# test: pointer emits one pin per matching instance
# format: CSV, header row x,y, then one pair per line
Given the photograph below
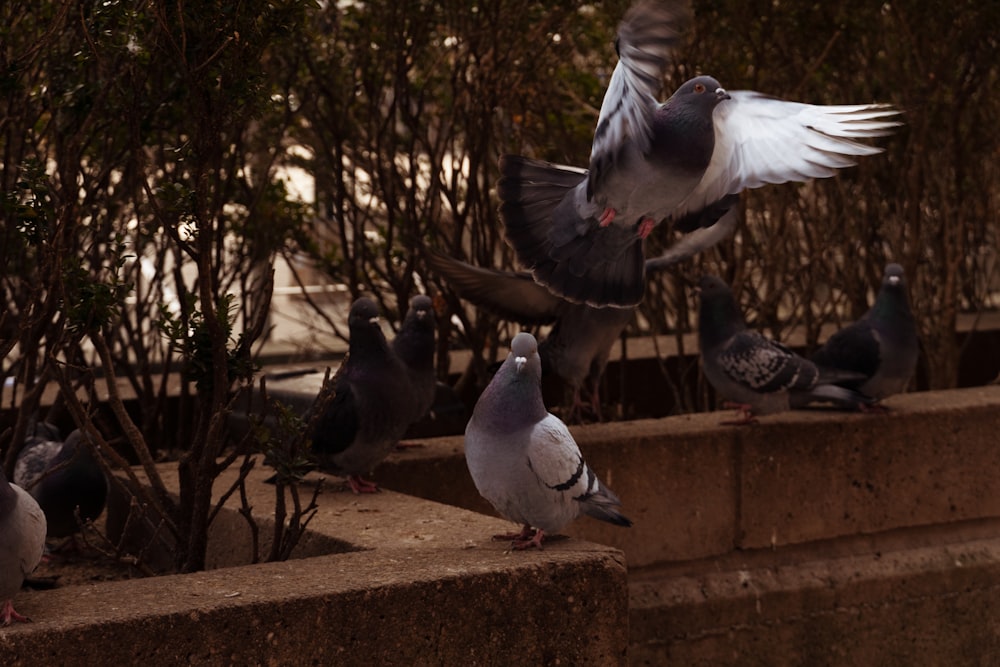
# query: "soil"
x,y
74,561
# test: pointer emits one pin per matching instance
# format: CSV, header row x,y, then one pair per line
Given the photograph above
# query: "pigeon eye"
x,y
699,88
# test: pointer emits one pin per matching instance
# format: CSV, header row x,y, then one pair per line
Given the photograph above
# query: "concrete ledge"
x,y
697,489
423,585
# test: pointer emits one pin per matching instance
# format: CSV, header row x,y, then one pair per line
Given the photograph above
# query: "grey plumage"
x,y
882,346
373,405
414,345
578,345
760,375
524,461
22,543
685,161
64,477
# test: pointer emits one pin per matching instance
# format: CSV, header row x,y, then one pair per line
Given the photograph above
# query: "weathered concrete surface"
x,y
424,585
696,489
922,597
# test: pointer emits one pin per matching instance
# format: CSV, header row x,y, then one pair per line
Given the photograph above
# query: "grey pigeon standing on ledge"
x,y
581,232
759,375
524,461
414,345
22,543
579,344
882,346
372,407
64,477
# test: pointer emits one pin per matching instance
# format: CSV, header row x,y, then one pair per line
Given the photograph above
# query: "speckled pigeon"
x,y
581,232
64,477
578,345
882,346
373,405
524,461
414,345
22,543
759,375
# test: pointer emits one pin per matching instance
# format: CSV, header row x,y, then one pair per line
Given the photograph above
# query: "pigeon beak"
x,y
373,320
721,94
519,362
893,280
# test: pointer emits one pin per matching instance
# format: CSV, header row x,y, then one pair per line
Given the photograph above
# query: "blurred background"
x,y
204,188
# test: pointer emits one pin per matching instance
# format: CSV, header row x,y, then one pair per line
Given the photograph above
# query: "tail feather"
x,y
573,257
603,505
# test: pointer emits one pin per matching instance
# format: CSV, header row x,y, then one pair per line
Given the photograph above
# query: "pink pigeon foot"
x,y
607,217
360,485
8,615
645,227
527,538
533,541
744,415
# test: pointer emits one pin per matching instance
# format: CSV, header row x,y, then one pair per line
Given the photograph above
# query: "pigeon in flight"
x,y
22,543
372,407
524,461
576,349
882,346
684,161
64,477
759,375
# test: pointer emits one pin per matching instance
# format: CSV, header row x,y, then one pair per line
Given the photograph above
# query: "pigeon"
x,y
64,477
22,543
760,375
524,461
414,345
578,345
372,405
685,161
882,346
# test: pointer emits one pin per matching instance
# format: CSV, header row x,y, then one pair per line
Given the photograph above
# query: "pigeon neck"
x,y
514,400
415,347
719,319
683,138
891,303
367,344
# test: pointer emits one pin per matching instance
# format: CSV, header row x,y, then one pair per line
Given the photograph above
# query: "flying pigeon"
x,y
579,344
882,346
414,345
684,161
372,407
524,461
64,477
760,375
22,543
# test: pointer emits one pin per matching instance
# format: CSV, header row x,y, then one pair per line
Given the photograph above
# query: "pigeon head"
x,y
366,330
719,316
894,276
421,309
524,350
703,91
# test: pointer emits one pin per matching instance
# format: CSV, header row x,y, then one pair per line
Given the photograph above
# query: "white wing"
x,y
646,36
555,458
761,140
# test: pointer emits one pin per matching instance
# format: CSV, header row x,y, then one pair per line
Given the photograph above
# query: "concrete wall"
x,y
812,538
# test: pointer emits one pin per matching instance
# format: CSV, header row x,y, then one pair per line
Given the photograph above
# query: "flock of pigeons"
x,y
580,233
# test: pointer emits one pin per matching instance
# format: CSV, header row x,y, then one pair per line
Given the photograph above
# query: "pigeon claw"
x,y
744,415
645,227
607,217
527,538
360,485
8,615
